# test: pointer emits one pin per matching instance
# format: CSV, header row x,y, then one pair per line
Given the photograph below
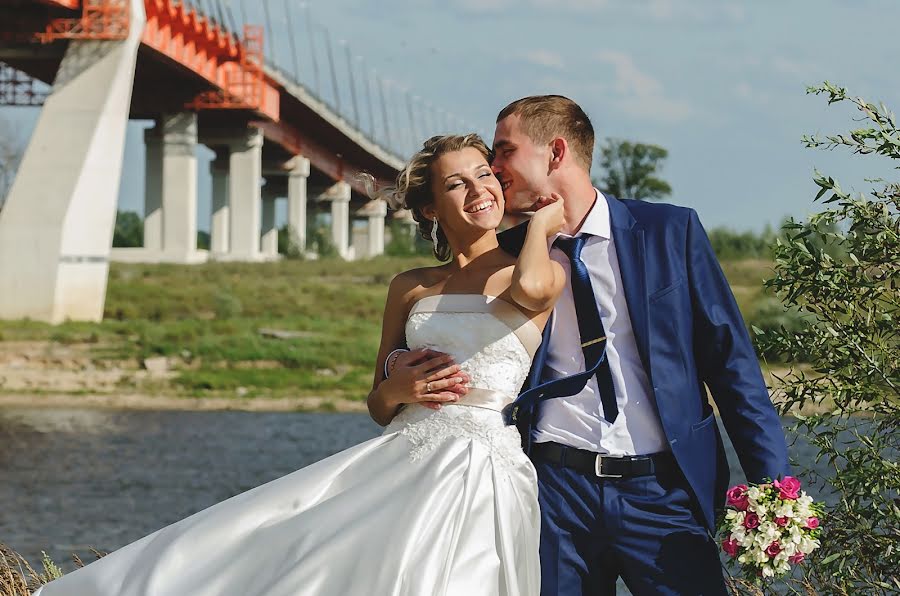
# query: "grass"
x,y
206,319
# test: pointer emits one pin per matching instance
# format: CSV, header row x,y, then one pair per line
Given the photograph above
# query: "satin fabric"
x,y
443,503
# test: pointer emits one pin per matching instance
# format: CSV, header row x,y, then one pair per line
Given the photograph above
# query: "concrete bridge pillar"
x,y
57,223
170,187
153,176
245,195
221,221
179,187
296,212
375,212
269,237
339,196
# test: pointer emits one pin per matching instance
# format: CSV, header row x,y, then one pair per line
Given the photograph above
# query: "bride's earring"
x,y
434,236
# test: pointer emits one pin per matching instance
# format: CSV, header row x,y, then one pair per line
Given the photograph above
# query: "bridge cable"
x,y
350,76
295,57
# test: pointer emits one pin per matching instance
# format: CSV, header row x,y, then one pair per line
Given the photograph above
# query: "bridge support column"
x,y
376,228
245,195
153,175
219,227
269,238
296,212
339,196
56,226
179,187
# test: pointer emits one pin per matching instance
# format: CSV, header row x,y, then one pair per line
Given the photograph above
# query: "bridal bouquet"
x,y
770,527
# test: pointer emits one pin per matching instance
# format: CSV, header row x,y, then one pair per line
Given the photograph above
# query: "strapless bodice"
x,y
493,342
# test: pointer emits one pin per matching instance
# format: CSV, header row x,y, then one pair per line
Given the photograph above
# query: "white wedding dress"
x,y
443,503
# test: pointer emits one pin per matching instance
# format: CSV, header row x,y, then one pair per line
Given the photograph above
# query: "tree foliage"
x,y
129,231
631,170
841,271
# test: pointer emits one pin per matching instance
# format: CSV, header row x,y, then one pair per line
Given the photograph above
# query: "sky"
x,y
720,84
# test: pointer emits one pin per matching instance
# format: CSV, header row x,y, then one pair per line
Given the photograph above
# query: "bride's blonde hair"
x,y
412,189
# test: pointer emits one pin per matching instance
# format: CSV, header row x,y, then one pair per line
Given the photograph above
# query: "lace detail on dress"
x,y
483,345
488,350
427,429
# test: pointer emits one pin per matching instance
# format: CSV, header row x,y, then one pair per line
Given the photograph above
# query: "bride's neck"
x,y
466,253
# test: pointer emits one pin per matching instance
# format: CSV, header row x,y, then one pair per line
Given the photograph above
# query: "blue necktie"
x,y
590,327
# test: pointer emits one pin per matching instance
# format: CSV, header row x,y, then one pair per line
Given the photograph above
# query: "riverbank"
x,y
285,336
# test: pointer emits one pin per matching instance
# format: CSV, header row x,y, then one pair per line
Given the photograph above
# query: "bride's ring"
x,y
428,387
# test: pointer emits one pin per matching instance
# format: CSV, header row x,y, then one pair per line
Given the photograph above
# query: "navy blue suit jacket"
x,y
689,332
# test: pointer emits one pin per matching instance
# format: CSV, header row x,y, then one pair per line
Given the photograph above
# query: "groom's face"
x,y
521,165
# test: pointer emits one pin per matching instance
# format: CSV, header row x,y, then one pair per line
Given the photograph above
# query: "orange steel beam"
x,y
68,4
232,67
100,20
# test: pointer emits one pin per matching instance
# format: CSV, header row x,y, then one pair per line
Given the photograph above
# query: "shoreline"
x,y
139,401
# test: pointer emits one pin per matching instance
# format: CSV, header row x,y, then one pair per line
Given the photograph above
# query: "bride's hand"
x,y
549,214
425,377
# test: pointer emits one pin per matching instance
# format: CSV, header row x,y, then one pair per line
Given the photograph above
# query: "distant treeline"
x,y
728,244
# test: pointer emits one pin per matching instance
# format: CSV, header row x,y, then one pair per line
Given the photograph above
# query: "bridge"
x,y
202,76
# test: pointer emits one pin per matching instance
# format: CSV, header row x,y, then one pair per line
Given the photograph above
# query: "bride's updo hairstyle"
x,y
412,190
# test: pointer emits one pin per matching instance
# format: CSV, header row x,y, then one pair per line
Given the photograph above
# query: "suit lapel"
x,y
628,236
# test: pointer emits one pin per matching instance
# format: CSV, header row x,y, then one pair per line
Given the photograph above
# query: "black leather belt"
x,y
603,466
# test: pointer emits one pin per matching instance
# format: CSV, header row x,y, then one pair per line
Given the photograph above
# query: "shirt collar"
x,y
597,221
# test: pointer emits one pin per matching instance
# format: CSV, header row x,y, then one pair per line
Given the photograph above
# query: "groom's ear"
x,y
559,150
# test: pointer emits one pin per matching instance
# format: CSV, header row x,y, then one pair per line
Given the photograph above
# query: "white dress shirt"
x,y
578,420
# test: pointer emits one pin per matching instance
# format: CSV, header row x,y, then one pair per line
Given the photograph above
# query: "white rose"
x,y
761,556
790,549
761,510
767,571
753,493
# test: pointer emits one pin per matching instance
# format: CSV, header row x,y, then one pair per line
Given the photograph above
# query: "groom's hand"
x,y
429,378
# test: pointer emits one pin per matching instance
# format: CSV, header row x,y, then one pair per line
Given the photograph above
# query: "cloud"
x,y
751,94
704,12
639,94
545,58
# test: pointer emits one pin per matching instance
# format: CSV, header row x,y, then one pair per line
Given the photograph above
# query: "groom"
x,y
630,463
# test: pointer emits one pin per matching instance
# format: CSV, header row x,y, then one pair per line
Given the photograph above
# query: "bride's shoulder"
x,y
408,286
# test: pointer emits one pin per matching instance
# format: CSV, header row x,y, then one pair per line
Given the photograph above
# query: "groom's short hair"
x,y
544,117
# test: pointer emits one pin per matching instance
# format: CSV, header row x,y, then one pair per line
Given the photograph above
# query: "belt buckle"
x,y
598,467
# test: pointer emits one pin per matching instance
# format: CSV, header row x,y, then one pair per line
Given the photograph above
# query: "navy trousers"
x,y
644,529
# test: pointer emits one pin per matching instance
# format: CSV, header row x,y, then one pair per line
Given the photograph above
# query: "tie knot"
x,y
571,246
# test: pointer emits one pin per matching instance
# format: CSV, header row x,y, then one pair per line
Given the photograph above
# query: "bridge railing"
x,y
305,52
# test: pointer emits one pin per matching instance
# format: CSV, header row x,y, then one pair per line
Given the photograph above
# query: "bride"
x,y
445,501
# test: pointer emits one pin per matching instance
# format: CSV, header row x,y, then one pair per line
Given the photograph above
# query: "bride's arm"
x,y
537,280
407,384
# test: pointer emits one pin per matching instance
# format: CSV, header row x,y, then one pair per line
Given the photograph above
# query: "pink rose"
x,y
751,521
773,549
812,523
737,497
797,558
788,487
781,521
730,547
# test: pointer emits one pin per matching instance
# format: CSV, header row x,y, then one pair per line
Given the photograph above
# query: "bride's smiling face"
x,y
466,193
